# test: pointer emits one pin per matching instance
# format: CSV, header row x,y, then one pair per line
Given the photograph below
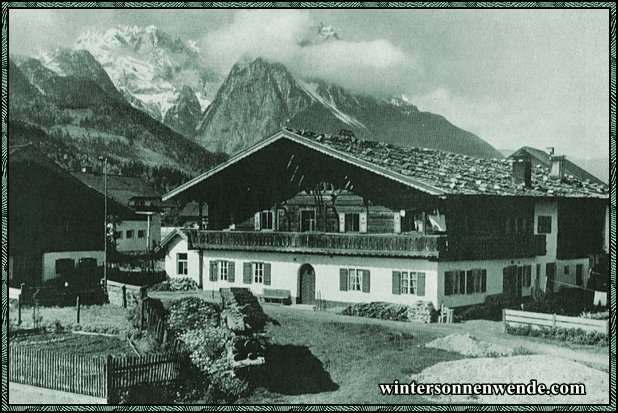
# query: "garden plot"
x,y
518,369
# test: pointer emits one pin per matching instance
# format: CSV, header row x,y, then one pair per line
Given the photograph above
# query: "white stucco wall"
x,y
135,243
176,246
49,260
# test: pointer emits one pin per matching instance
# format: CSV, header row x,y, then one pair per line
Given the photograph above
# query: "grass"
x,y
96,318
318,359
80,344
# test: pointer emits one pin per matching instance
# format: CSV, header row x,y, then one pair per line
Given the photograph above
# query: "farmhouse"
x,y
341,220
138,233
56,222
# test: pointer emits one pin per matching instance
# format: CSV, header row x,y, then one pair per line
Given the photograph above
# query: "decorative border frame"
x,y
94,5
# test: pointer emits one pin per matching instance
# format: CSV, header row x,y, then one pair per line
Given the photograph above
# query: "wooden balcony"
x,y
386,245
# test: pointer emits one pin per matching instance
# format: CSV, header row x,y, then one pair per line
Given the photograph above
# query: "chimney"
x,y
522,171
557,166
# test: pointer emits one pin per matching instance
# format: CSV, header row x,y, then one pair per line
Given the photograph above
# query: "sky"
x,y
513,77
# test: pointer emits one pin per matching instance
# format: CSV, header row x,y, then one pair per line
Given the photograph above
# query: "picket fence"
x,y
89,375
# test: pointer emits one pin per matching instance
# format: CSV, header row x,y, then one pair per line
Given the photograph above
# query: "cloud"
x,y
33,30
291,37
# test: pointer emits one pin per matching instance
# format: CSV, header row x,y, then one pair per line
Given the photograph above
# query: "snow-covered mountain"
x,y
150,67
259,97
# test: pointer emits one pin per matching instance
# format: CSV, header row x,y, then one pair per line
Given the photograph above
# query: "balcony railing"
x,y
395,245
387,245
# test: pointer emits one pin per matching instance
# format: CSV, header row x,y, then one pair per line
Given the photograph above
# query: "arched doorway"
x,y
307,284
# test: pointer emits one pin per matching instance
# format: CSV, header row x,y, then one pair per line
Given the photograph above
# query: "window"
x,y
567,271
65,266
118,234
352,222
223,269
307,221
476,281
355,280
454,282
130,233
408,282
258,272
182,263
141,233
544,225
266,220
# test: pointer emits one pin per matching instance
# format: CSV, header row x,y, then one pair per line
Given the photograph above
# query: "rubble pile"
x,y
455,173
244,317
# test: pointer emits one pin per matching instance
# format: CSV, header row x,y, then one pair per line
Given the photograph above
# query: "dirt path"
x,y
490,331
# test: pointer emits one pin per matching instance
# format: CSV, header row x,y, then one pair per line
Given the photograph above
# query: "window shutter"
x,y
448,283
470,282
343,279
256,221
396,282
246,273
462,282
213,271
397,222
266,273
366,281
231,272
362,222
341,222
484,281
420,284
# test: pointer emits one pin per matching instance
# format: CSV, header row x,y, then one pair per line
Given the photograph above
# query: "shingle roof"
x,y
454,173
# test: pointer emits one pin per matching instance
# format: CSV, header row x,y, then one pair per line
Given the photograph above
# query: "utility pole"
x,y
104,159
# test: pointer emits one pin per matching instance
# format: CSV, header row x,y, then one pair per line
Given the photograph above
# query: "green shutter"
x,y
231,272
462,282
266,274
448,283
420,284
213,271
343,279
484,281
396,282
246,273
366,281
470,282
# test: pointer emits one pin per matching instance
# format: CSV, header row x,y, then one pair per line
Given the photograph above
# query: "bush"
x,y
192,313
577,336
183,284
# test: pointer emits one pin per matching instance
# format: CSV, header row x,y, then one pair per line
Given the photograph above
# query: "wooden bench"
x,y
276,296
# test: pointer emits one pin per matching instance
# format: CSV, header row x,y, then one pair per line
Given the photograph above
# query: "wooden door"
x,y
307,285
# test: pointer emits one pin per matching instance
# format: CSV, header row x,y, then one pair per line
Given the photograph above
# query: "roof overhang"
x,y
313,145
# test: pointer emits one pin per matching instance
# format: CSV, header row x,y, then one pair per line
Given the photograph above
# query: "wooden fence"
x,y
93,376
516,318
58,371
154,323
